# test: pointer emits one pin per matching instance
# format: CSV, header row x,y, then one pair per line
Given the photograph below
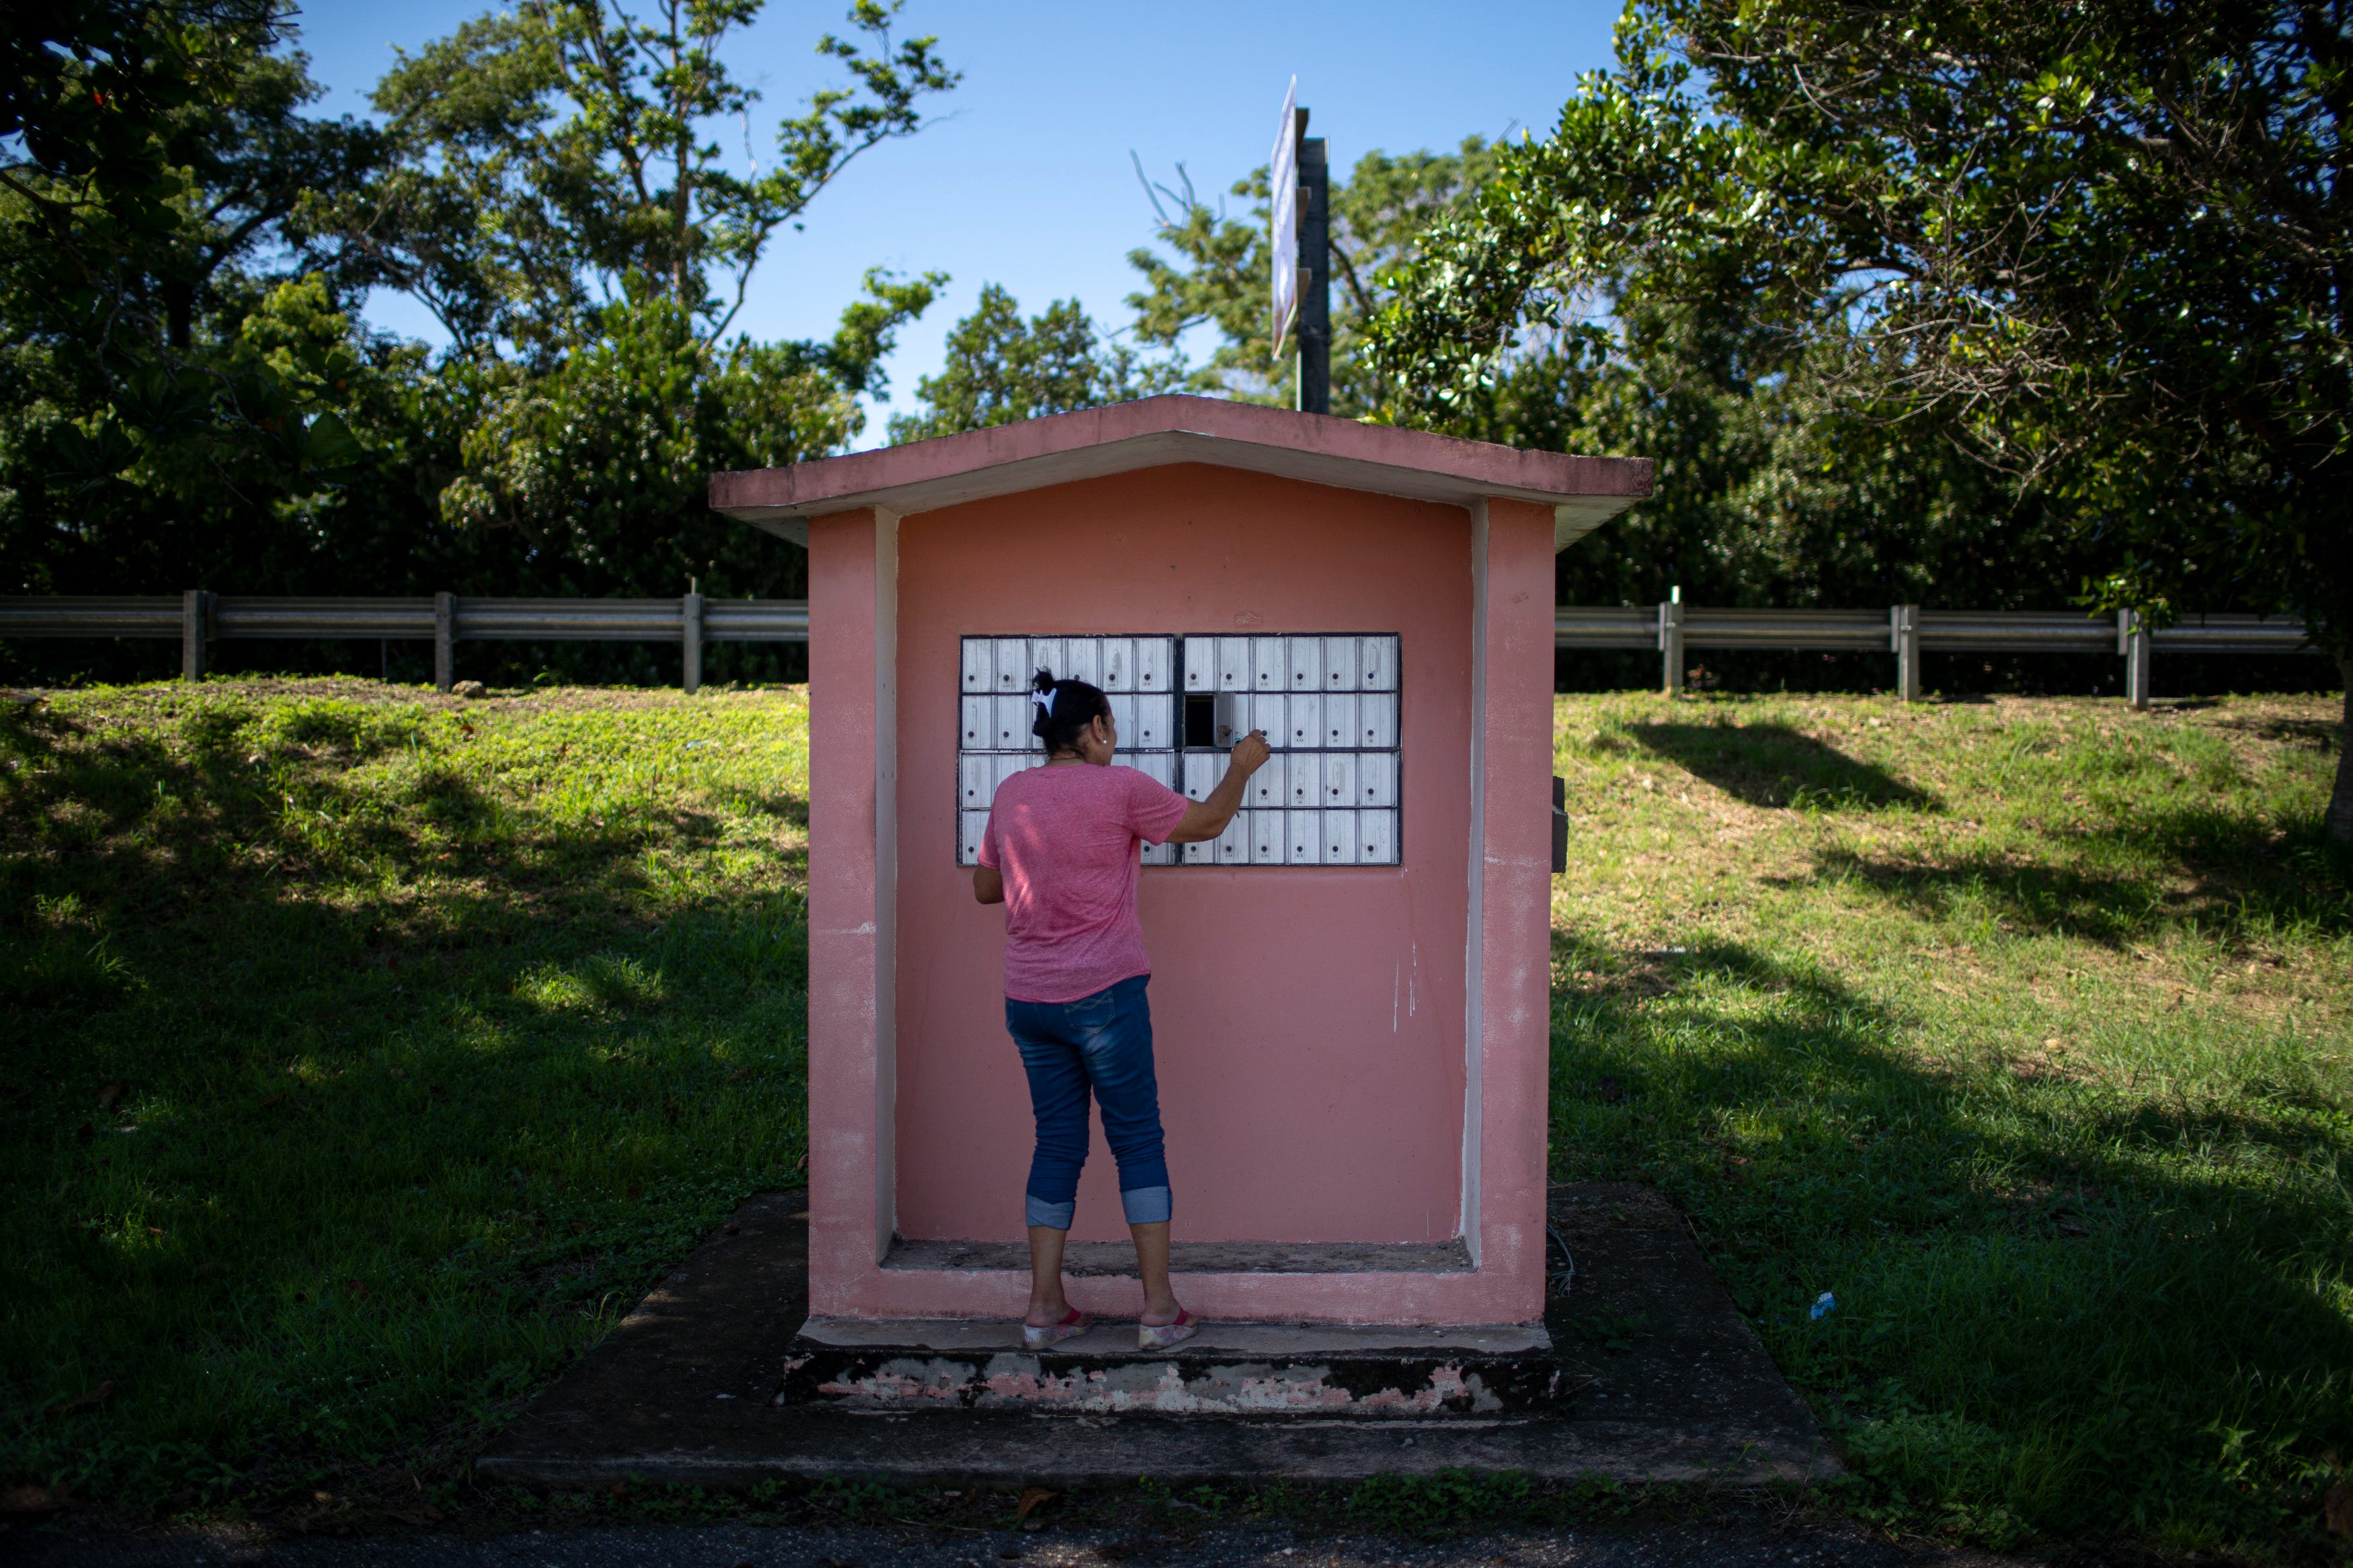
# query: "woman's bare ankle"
x,y
1046,1314
1160,1315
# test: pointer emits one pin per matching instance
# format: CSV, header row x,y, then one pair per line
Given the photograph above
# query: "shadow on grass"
x,y
337,1118
2059,1308
1774,766
2245,877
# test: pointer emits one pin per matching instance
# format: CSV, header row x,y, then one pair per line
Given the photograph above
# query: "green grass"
x,y
366,1060
2020,1028
413,1039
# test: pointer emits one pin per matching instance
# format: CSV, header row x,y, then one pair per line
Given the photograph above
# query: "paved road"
x,y
1744,1545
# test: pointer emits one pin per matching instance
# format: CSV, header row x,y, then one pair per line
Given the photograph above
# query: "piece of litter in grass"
x,y
1824,1305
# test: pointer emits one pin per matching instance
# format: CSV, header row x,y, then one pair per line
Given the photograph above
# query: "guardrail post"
x,y
2132,641
196,630
690,639
1671,645
444,641
1904,635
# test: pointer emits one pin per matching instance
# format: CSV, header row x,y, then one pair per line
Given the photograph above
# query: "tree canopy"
x,y
188,395
2105,244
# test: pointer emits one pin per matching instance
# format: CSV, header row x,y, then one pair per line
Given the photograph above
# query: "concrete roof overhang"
x,y
1151,432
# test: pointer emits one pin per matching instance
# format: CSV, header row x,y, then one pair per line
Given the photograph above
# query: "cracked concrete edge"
x,y
1200,1452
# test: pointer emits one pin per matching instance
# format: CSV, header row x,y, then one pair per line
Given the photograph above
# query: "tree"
x,y
2108,243
556,157
1220,275
559,202
1000,369
156,153
1767,495
596,469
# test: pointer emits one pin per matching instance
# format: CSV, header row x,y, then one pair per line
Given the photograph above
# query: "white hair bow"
x,y
1044,699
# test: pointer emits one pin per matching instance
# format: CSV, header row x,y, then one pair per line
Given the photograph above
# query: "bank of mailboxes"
x,y
1328,797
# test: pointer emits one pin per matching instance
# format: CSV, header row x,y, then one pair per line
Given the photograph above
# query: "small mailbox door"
x,y
1119,664
1306,728
1340,718
1152,671
1267,665
1266,837
979,666
1085,658
1267,786
1012,729
1201,664
1340,779
1152,730
1376,837
1012,662
980,726
1306,660
1303,843
975,782
1233,664
1202,772
1376,778
1339,838
1340,672
1303,782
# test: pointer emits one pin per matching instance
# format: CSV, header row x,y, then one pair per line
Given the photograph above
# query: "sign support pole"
x,y
1314,273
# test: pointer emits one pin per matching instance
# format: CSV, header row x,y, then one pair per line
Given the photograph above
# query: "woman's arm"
x,y
1205,819
987,885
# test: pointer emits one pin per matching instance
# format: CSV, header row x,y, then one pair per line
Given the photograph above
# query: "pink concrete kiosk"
x,y
1349,989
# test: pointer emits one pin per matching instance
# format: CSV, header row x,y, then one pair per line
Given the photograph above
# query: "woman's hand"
x,y
1205,819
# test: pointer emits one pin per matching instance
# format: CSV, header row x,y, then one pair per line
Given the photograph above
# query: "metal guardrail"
x,y
1908,630
198,619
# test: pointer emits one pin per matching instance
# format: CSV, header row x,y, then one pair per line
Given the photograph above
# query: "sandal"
x,y
1161,1337
1035,1337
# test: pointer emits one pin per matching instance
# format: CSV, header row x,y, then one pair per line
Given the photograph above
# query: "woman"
x,y
1061,855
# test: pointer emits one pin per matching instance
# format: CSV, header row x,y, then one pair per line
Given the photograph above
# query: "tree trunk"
x,y
2340,803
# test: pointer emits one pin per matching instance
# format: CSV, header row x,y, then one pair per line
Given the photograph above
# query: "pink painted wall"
x,y
844,950
1515,910
1308,1021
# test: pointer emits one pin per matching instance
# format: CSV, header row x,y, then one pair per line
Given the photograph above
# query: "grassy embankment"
x,y
2021,1029
365,1058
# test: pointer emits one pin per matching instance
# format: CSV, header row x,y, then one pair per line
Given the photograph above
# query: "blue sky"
x,y
1025,178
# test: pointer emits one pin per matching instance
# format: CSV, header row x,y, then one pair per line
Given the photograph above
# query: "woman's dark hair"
x,y
1064,708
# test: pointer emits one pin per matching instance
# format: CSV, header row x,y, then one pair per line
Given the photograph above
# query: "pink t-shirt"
x,y
1064,840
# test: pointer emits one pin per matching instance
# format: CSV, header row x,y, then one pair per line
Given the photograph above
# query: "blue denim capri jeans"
x,y
1098,1046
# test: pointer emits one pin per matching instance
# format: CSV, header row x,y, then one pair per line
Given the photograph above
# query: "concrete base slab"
x,y
1664,1382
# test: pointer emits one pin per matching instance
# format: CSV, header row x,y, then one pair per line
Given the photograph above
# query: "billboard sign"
x,y
1283,238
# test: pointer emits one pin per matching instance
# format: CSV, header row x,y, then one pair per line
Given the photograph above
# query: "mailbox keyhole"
x,y
1202,721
